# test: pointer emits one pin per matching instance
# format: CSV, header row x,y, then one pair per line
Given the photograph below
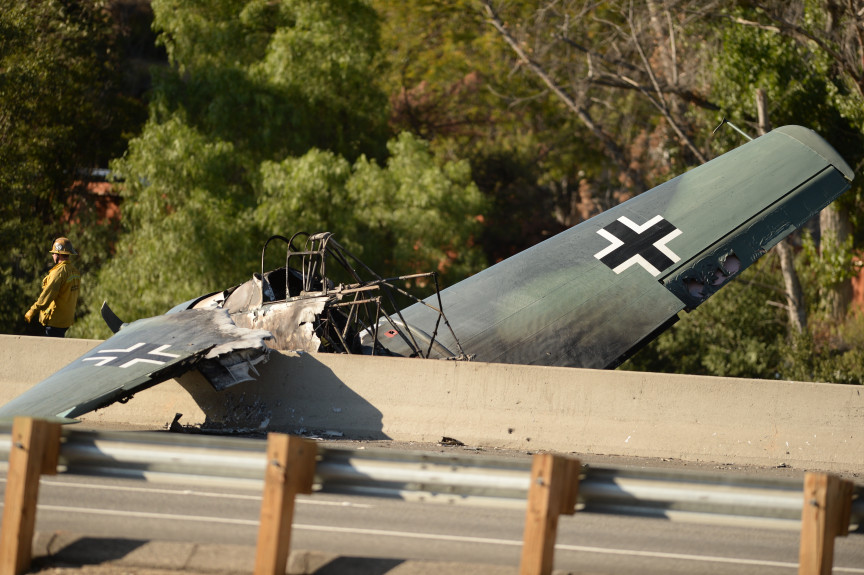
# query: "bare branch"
x,y
659,102
859,30
618,82
595,54
672,48
612,149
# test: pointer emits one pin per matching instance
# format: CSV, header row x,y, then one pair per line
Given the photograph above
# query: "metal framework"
x,y
365,304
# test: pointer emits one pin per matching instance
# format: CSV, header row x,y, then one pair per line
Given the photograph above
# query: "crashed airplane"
x,y
590,296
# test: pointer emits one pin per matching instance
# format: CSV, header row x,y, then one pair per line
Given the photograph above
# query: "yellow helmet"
x,y
63,246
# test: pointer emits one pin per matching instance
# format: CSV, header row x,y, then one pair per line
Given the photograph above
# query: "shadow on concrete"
x,y
358,566
87,551
293,393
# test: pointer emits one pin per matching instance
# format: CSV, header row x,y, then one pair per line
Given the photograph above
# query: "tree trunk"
x,y
835,226
794,295
795,304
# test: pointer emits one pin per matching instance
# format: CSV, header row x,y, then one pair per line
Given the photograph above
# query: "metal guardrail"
x,y
433,477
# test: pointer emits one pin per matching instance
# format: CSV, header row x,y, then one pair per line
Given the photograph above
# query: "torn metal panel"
x,y
228,370
234,361
306,307
292,324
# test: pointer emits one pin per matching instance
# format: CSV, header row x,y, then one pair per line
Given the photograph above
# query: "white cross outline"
x,y
615,243
102,360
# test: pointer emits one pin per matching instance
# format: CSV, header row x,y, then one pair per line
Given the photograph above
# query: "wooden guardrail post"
x,y
554,490
826,515
35,451
290,470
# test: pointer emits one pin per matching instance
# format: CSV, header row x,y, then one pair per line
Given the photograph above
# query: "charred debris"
x,y
326,300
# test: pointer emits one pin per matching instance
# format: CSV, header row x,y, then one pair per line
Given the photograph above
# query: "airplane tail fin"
x,y
114,322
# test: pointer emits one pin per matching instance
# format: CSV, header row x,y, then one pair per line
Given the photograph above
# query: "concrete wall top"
x,y
724,420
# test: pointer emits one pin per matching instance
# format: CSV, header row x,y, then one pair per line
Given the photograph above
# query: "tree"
x,y
410,216
590,55
450,81
274,78
266,122
807,57
62,114
810,60
732,334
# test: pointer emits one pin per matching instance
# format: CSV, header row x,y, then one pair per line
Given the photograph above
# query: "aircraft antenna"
x,y
734,127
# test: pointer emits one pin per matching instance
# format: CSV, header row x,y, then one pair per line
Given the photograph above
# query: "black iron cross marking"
x,y
132,355
644,244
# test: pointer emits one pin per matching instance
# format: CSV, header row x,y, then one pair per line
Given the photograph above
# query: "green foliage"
x,y
265,124
183,208
742,332
794,78
275,78
410,216
808,358
61,111
829,268
451,80
804,83
738,332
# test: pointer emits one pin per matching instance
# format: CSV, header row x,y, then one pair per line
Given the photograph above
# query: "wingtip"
x,y
818,144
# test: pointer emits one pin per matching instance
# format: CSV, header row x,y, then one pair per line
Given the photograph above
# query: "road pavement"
x,y
71,554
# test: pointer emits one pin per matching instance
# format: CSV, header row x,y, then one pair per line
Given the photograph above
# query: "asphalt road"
x,y
397,531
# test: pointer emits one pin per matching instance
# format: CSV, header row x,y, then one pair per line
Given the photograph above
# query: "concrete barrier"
x,y
724,420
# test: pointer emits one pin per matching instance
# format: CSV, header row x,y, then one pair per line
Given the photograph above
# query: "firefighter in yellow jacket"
x,y
60,288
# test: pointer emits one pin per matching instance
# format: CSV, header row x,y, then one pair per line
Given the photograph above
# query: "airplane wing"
x,y
142,354
592,295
